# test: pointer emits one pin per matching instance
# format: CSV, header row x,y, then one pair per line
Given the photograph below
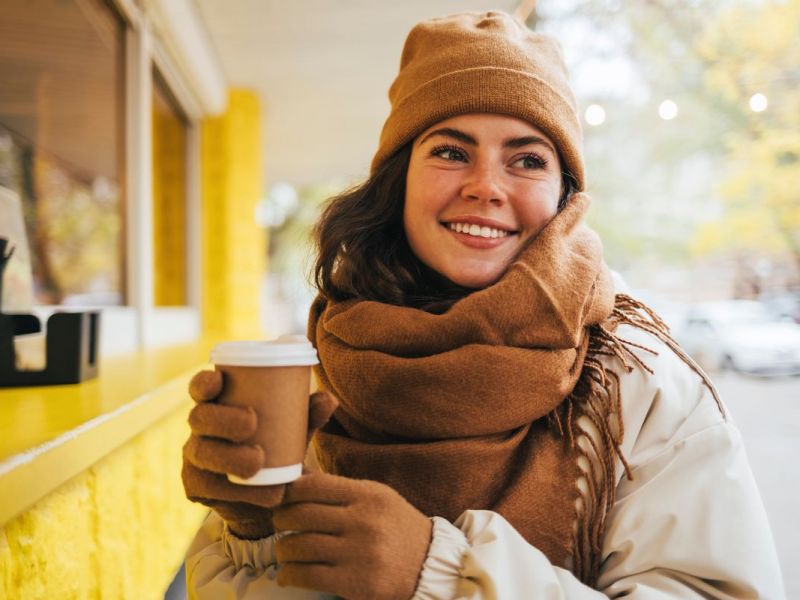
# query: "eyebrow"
x,y
468,139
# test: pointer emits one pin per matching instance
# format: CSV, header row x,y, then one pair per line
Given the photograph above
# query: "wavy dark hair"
x,y
363,252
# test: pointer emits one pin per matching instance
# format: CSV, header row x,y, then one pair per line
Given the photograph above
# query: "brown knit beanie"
x,y
482,62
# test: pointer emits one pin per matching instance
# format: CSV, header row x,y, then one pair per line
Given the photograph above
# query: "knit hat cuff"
x,y
495,90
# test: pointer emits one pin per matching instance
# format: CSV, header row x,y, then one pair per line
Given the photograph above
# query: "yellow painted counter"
x,y
91,502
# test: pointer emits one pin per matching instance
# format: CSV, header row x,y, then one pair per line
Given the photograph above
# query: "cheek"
x,y
541,207
414,188
424,198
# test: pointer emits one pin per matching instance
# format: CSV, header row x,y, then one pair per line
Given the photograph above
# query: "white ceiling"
x,y
323,70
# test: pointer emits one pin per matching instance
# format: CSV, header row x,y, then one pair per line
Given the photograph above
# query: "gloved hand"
x,y
356,538
214,449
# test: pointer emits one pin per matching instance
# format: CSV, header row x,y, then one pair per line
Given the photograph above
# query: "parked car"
x,y
741,335
783,303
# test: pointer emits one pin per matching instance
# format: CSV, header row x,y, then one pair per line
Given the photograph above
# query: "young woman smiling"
x,y
495,420
479,186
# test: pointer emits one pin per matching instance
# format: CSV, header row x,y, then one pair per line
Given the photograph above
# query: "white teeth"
x,y
478,231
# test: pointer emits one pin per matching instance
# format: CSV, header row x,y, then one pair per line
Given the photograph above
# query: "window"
x,y
61,124
99,148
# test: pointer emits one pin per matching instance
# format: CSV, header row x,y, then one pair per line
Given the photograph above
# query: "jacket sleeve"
x,y
690,524
711,540
221,566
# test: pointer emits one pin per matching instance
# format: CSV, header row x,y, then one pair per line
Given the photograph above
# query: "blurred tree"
x,y
753,56
718,181
79,231
649,175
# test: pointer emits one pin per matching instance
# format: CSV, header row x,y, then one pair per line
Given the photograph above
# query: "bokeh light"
x,y
668,110
595,114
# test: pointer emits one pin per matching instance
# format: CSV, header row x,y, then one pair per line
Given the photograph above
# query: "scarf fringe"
x,y
596,396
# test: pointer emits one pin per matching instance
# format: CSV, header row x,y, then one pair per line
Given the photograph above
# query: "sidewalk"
x,y
767,412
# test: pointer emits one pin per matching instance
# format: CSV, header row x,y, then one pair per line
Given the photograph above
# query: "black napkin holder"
x,y
71,348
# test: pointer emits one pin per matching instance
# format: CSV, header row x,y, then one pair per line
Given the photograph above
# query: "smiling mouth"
x,y
478,231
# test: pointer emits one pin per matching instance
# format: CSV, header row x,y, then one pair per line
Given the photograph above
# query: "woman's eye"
x,y
449,153
530,161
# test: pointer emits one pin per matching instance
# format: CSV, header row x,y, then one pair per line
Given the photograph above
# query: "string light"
x,y
758,102
595,114
668,110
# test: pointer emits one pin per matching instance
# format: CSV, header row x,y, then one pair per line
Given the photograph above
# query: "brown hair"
x,y
363,252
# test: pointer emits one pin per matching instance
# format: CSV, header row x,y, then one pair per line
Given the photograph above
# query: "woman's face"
x,y
478,187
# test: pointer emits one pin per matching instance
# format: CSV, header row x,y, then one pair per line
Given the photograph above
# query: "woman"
x,y
507,426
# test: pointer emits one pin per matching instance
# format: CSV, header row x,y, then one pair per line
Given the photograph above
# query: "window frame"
x,y
119,322
155,326
165,36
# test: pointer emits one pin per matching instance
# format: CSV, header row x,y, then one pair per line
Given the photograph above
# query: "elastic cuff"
x,y
258,555
441,571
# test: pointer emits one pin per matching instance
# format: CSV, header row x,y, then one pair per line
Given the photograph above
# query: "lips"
x,y
485,238
478,232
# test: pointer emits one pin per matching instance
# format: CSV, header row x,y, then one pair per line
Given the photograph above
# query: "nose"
x,y
483,183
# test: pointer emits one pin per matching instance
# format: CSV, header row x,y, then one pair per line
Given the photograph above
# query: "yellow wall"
x,y
234,246
118,530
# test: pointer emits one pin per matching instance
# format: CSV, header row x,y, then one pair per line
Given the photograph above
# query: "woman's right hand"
x,y
215,449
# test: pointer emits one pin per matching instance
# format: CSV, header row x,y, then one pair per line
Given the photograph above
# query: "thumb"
x,y
322,405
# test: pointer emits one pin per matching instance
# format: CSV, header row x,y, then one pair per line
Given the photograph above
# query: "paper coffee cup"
x,y
274,378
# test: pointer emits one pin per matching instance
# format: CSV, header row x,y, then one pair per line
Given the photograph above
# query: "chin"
x,y
474,280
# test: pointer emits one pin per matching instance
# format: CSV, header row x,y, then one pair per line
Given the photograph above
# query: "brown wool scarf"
x,y
477,408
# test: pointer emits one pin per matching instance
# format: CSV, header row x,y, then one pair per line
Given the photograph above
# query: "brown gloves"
x,y
356,538
214,449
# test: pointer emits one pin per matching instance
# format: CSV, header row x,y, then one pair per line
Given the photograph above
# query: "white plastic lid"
x,y
285,351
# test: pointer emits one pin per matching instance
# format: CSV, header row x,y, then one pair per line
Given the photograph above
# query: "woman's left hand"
x,y
356,538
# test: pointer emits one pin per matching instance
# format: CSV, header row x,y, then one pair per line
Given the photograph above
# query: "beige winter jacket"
x,y
690,524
